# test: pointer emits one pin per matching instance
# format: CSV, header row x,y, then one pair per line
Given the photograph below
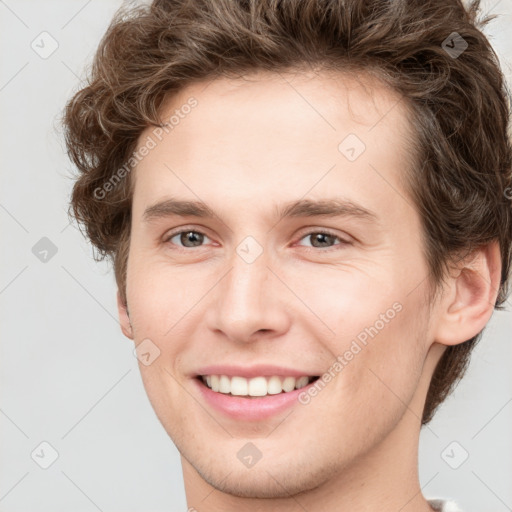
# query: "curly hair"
x,y
433,53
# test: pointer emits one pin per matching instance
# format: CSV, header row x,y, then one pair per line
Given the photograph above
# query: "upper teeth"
x,y
257,386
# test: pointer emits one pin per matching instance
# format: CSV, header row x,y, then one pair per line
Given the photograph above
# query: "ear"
x,y
469,297
124,319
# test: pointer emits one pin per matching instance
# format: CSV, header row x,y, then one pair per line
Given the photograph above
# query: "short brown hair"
x,y
459,108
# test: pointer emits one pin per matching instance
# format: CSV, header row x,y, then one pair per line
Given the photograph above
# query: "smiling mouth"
x,y
256,387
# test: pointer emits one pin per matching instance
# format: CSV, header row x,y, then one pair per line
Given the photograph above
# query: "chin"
x,y
265,480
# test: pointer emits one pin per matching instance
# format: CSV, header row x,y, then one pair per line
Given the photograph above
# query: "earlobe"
x,y
124,318
472,292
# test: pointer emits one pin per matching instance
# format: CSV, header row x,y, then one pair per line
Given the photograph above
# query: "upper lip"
x,y
265,370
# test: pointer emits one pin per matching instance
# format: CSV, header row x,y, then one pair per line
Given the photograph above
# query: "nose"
x,y
249,302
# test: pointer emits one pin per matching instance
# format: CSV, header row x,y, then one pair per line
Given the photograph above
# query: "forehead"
x,y
276,131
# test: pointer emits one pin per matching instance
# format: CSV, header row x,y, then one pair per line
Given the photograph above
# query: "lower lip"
x,y
250,409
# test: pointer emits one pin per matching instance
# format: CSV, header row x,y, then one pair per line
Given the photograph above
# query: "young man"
x,y
306,207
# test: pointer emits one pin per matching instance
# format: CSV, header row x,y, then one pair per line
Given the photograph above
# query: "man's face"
x,y
251,287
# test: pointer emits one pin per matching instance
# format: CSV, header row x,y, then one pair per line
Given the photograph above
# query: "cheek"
x,y
346,300
159,296
377,335
164,394
386,363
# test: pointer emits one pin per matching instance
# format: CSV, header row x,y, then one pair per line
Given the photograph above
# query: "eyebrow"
x,y
336,207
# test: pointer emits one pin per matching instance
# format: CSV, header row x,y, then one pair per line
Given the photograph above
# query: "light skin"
x,y
249,148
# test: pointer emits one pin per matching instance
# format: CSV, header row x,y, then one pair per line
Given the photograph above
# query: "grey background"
x,y
68,376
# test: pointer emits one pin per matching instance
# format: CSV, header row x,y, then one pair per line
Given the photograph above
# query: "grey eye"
x,y
189,238
320,239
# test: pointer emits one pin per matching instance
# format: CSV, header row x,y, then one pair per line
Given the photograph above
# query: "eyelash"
x,y
342,242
